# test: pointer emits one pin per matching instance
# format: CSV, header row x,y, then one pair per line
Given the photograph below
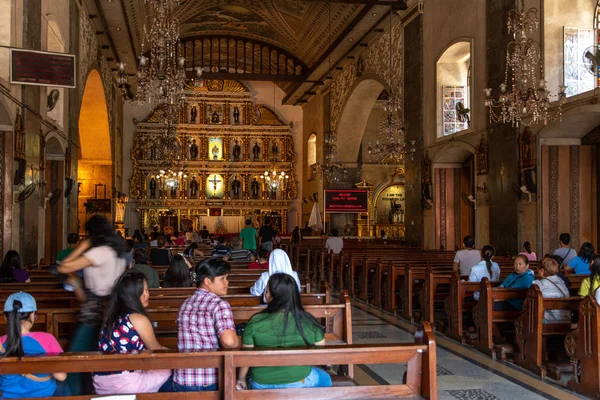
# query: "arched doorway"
x,y
94,172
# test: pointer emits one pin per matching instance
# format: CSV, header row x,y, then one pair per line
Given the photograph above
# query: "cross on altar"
x,y
214,181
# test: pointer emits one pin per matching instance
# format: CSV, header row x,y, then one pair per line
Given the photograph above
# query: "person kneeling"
x,y
284,323
127,329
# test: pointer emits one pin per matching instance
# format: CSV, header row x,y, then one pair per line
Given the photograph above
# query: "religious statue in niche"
x,y
273,192
236,115
526,149
193,150
256,151
396,212
173,192
275,149
214,181
215,119
215,152
153,188
482,164
193,115
237,151
194,188
254,188
236,186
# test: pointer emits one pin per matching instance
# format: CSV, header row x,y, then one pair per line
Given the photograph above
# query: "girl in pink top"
x,y
527,252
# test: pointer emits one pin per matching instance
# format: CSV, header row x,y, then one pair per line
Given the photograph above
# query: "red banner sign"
x,y
346,201
42,68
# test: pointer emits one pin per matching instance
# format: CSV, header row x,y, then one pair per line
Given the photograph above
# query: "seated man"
x,y
72,240
220,249
466,258
237,252
160,255
334,243
565,250
205,322
139,264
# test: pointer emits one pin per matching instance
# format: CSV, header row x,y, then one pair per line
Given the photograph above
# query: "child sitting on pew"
x,y
522,278
19,311
205,322
552,287
284,323
486,268
591,284
127,329
262,262
279,262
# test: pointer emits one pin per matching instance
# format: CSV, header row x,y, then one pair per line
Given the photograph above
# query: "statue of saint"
x,y
237,151
215,152
273,192
256,151
254,188
193,150
215,117
193,115
275,149
236,115
153,188
235,187
120,208
194,188
173,192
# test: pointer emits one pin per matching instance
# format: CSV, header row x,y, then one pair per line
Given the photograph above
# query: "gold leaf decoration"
x,y
266,116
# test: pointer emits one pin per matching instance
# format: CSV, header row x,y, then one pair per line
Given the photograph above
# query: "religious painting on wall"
x,y
391,205
214,187
215,149
576,75
451,96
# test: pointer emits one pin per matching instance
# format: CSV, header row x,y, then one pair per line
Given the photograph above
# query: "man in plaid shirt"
x,y
205,322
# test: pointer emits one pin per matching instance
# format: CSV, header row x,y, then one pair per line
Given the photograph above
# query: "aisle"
x,y
462,372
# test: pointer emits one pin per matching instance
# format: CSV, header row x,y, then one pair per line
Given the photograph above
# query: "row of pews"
x,y
421,286
57,315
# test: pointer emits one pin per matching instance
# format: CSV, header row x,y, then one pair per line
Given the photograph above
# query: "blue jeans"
x,y
316,378
268,246
182,388
62,389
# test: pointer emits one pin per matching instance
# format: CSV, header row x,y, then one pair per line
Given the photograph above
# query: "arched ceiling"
x,y
94,136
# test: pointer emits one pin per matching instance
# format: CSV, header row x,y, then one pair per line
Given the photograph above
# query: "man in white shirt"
x,y
565,250
465,259
334,243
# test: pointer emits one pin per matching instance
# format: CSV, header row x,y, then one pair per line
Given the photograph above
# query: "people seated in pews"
x,y
154,238
193,251
139,264
203,235
140,243
261,262
72,240
99,256
179,239
580,265
284,323
205,322
237,253
486,268
591,284
565,250
179,274
296,235
160,255
552,287
527,252
221,249
522,278
20,341
12,270
334,243
128,255
279,263
127,329
466,258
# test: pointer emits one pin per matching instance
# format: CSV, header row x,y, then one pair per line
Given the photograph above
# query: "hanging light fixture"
x,y
274,179
391,142
527,95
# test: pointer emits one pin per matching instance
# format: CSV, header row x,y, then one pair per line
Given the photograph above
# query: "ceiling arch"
x,y
94,135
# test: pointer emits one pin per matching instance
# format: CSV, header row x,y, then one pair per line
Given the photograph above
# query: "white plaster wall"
x,y
450,74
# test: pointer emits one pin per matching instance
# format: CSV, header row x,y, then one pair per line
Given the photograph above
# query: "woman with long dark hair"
x,y
20,341
591,284
486,268
580,265
528,252
127,329
179,273
12,270
284,323
99,256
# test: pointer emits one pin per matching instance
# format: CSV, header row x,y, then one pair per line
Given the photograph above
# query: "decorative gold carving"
x,y
217,85
266,116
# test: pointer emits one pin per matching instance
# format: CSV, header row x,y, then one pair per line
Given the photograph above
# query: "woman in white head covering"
x,y
279,263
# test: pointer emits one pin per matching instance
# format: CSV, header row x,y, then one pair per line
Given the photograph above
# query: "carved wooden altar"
x,y
227,142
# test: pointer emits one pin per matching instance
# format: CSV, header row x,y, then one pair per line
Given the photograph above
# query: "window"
x,y
311,155
579,78
453,88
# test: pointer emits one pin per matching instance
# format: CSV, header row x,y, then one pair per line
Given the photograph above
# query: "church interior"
x,y
402,127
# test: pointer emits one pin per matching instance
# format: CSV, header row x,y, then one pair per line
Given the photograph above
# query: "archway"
x,y
94,172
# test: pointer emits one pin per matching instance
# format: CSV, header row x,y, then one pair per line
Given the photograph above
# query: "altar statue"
x,y
193,115
254,188
173,192
120,208
153,188
237,151
194,188
215,117
236,186
215,152
236,115
256,151
193,150
275,149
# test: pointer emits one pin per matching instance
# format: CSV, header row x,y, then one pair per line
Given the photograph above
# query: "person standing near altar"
x,y
248,236
266,234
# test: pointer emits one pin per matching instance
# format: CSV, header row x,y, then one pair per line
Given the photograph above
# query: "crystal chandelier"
x,y
161,74
273,179
391,142
171,171
528,95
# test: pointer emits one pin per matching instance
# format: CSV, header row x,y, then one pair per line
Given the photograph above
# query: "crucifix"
x,y
214,181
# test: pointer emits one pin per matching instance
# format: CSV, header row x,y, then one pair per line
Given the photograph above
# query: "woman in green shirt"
x,y
284,323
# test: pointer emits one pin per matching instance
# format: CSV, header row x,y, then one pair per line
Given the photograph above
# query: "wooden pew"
x,y
455,305
531,331
420,357
582,347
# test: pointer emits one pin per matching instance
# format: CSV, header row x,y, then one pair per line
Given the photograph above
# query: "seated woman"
x,y
486,268
522,278
284,323
160,255
128,330
527,252
261,261
279,263
179,274
19,311
580,265
591,284
12,270
552,287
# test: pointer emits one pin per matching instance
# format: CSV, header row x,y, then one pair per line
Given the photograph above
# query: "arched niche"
x,y
388,207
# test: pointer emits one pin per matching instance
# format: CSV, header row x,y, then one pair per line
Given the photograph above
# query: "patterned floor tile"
x,y
472,394
370,335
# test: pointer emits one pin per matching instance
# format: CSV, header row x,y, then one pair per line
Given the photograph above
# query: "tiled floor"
x,y
458,376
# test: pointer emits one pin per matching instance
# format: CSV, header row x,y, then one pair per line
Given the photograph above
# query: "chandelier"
x,y
527,95
391,142
274,180
331,168
171,171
